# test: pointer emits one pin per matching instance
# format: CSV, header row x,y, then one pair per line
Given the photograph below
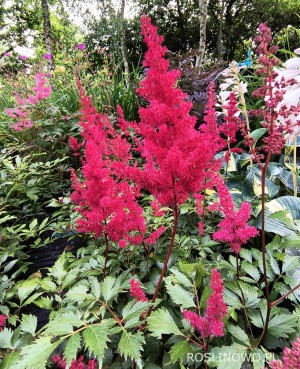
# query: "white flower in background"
x,y
29,53
290,71
233,83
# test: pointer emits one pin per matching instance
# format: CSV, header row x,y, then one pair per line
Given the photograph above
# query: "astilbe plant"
x,y
22,111
177,160
211,324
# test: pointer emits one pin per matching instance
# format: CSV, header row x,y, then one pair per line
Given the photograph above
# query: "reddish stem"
x,y
276,302
165,266
106,256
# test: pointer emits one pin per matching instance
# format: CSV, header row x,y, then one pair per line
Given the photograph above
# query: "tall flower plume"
x,y
178,159
212,323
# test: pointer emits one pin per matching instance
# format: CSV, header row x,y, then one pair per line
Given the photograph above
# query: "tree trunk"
x,y
203,5
47,32
220,35
123,45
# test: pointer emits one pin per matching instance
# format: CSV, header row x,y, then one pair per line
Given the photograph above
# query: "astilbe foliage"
x,y
211,324
178,160
290,359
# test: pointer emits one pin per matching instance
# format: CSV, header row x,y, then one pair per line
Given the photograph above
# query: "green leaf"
x,y
28,324
95,339
58,327
95,287
10,360
181,278
131,345
72,347
239,334
26,288
59,269
33,224
282,325
5,338
251,270
179,295
258,133
277,226
35,356
179,351
258,359
228,357
161,322
78,294
109,288
134,309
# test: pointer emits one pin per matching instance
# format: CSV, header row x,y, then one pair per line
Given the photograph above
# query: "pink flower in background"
x,y
23,57
136,291
212,323
6,54
21,112
76,363
3,319
47,56
290,359
81,46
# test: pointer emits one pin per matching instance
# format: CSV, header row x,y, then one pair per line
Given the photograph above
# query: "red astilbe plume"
x,y
136,291
233,228
212,323
76,363
105,200
177,158
290,359
3,319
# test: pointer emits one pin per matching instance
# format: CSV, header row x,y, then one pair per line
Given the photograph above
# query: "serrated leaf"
x,y
58,327
161,322
26,288
78,294
228,357
95,339
274,265
29,324
110,288
181,278
282,325
5,338
251,270
179,295
71,348
131,345
179,351
35,356
239,334
134,309
95,286
290,263
59,269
